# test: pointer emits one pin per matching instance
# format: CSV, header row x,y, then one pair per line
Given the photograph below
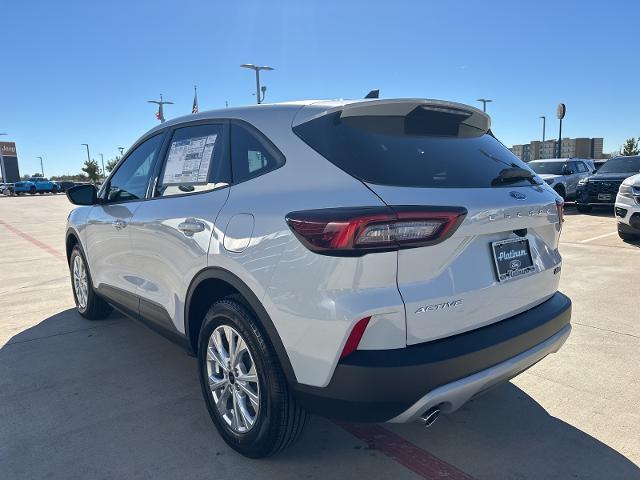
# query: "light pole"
x,y
544,126
484,103
121,150
88,157
102,159
257,69
161,103
41,167
2,162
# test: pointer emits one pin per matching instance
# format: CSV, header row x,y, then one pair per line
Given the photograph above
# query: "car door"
x,y
171,232
107,241
571,177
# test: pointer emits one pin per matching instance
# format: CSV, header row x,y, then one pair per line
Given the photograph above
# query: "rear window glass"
x,y
410,151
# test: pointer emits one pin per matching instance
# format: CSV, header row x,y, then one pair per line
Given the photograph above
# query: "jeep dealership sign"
x,y
9,162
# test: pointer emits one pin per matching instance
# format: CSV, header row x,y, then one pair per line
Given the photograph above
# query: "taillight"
x,y
354,337
360,230
560,207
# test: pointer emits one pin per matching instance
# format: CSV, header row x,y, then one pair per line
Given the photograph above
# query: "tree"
x,y
111,164
630,147
92,170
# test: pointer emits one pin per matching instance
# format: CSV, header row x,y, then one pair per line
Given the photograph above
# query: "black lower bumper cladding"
x,y
377,385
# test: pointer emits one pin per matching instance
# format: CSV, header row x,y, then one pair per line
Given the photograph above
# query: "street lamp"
x,y
544,126
88,157
121,150
41,167
484,103
103,172
257,69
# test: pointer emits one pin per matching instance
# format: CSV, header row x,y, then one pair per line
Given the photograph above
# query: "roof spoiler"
x,y
475,118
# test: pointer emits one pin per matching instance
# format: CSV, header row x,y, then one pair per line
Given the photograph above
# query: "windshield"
x,y
621,165
551,168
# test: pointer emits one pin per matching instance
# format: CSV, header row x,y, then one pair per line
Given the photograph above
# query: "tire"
x,y
560,191
277,418
583,208
32,191
627,237
88,304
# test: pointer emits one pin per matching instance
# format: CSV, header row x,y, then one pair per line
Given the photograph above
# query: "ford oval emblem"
x,y
518,195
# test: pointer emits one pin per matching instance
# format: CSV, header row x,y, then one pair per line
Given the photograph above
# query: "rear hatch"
x,y
501,260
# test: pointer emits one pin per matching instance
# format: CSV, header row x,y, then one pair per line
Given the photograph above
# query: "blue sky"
x,y
80,72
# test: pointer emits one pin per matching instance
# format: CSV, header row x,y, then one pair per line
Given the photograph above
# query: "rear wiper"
x,y
514,174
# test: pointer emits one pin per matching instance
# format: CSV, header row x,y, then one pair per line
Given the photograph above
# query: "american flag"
x,y
194,109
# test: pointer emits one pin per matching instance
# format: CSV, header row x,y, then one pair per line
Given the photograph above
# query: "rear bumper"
x,y
399,385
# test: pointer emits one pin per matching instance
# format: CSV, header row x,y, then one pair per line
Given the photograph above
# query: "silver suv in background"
x,y
380,260
563,174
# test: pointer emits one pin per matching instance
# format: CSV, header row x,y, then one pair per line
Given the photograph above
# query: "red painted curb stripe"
x,y
35,241
404,452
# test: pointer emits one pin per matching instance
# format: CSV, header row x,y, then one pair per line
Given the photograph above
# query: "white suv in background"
x,y
628,208
563,174
378,260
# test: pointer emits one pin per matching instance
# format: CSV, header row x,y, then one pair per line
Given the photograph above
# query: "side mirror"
x,y
83,195
568,171
595,171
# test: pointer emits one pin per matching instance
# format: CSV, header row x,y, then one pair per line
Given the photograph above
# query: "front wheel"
x,y
244,387
627,237
32,191
89,305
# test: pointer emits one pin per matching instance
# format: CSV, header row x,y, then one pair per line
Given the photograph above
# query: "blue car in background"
x,y
36,185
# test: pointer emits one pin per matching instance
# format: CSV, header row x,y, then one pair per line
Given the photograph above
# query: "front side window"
x,y
130,181
250,156
194,162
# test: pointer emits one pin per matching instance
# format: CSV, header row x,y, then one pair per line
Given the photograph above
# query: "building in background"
x,y
571,147
9,170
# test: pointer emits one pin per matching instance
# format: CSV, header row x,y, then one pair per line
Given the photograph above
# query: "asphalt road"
x,y
111,399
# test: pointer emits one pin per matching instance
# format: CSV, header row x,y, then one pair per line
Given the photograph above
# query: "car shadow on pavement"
x,y
111,399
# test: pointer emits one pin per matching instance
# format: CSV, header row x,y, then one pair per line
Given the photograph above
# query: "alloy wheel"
x,y
80,283
233,379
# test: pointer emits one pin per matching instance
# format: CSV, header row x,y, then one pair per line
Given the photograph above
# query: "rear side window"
x,y
251,155
195,161
415,150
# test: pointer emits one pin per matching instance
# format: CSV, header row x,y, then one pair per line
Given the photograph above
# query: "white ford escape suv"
x,y
378,260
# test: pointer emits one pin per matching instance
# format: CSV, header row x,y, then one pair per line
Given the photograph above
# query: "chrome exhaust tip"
x,y
429,417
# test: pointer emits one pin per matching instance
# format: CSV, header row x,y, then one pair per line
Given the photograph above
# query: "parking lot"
x,y
111,399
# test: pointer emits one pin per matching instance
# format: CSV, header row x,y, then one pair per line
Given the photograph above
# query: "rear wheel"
x,y
245,390
89,305
583,208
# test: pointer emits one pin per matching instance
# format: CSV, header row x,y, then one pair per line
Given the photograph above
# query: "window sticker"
x,y
189,161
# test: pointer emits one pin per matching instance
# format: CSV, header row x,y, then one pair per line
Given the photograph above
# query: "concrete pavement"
x,y
111,399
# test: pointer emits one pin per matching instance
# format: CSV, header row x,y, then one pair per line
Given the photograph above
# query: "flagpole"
x,y
194,108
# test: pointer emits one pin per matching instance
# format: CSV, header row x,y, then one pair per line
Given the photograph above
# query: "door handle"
x,y
119,224
191,226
